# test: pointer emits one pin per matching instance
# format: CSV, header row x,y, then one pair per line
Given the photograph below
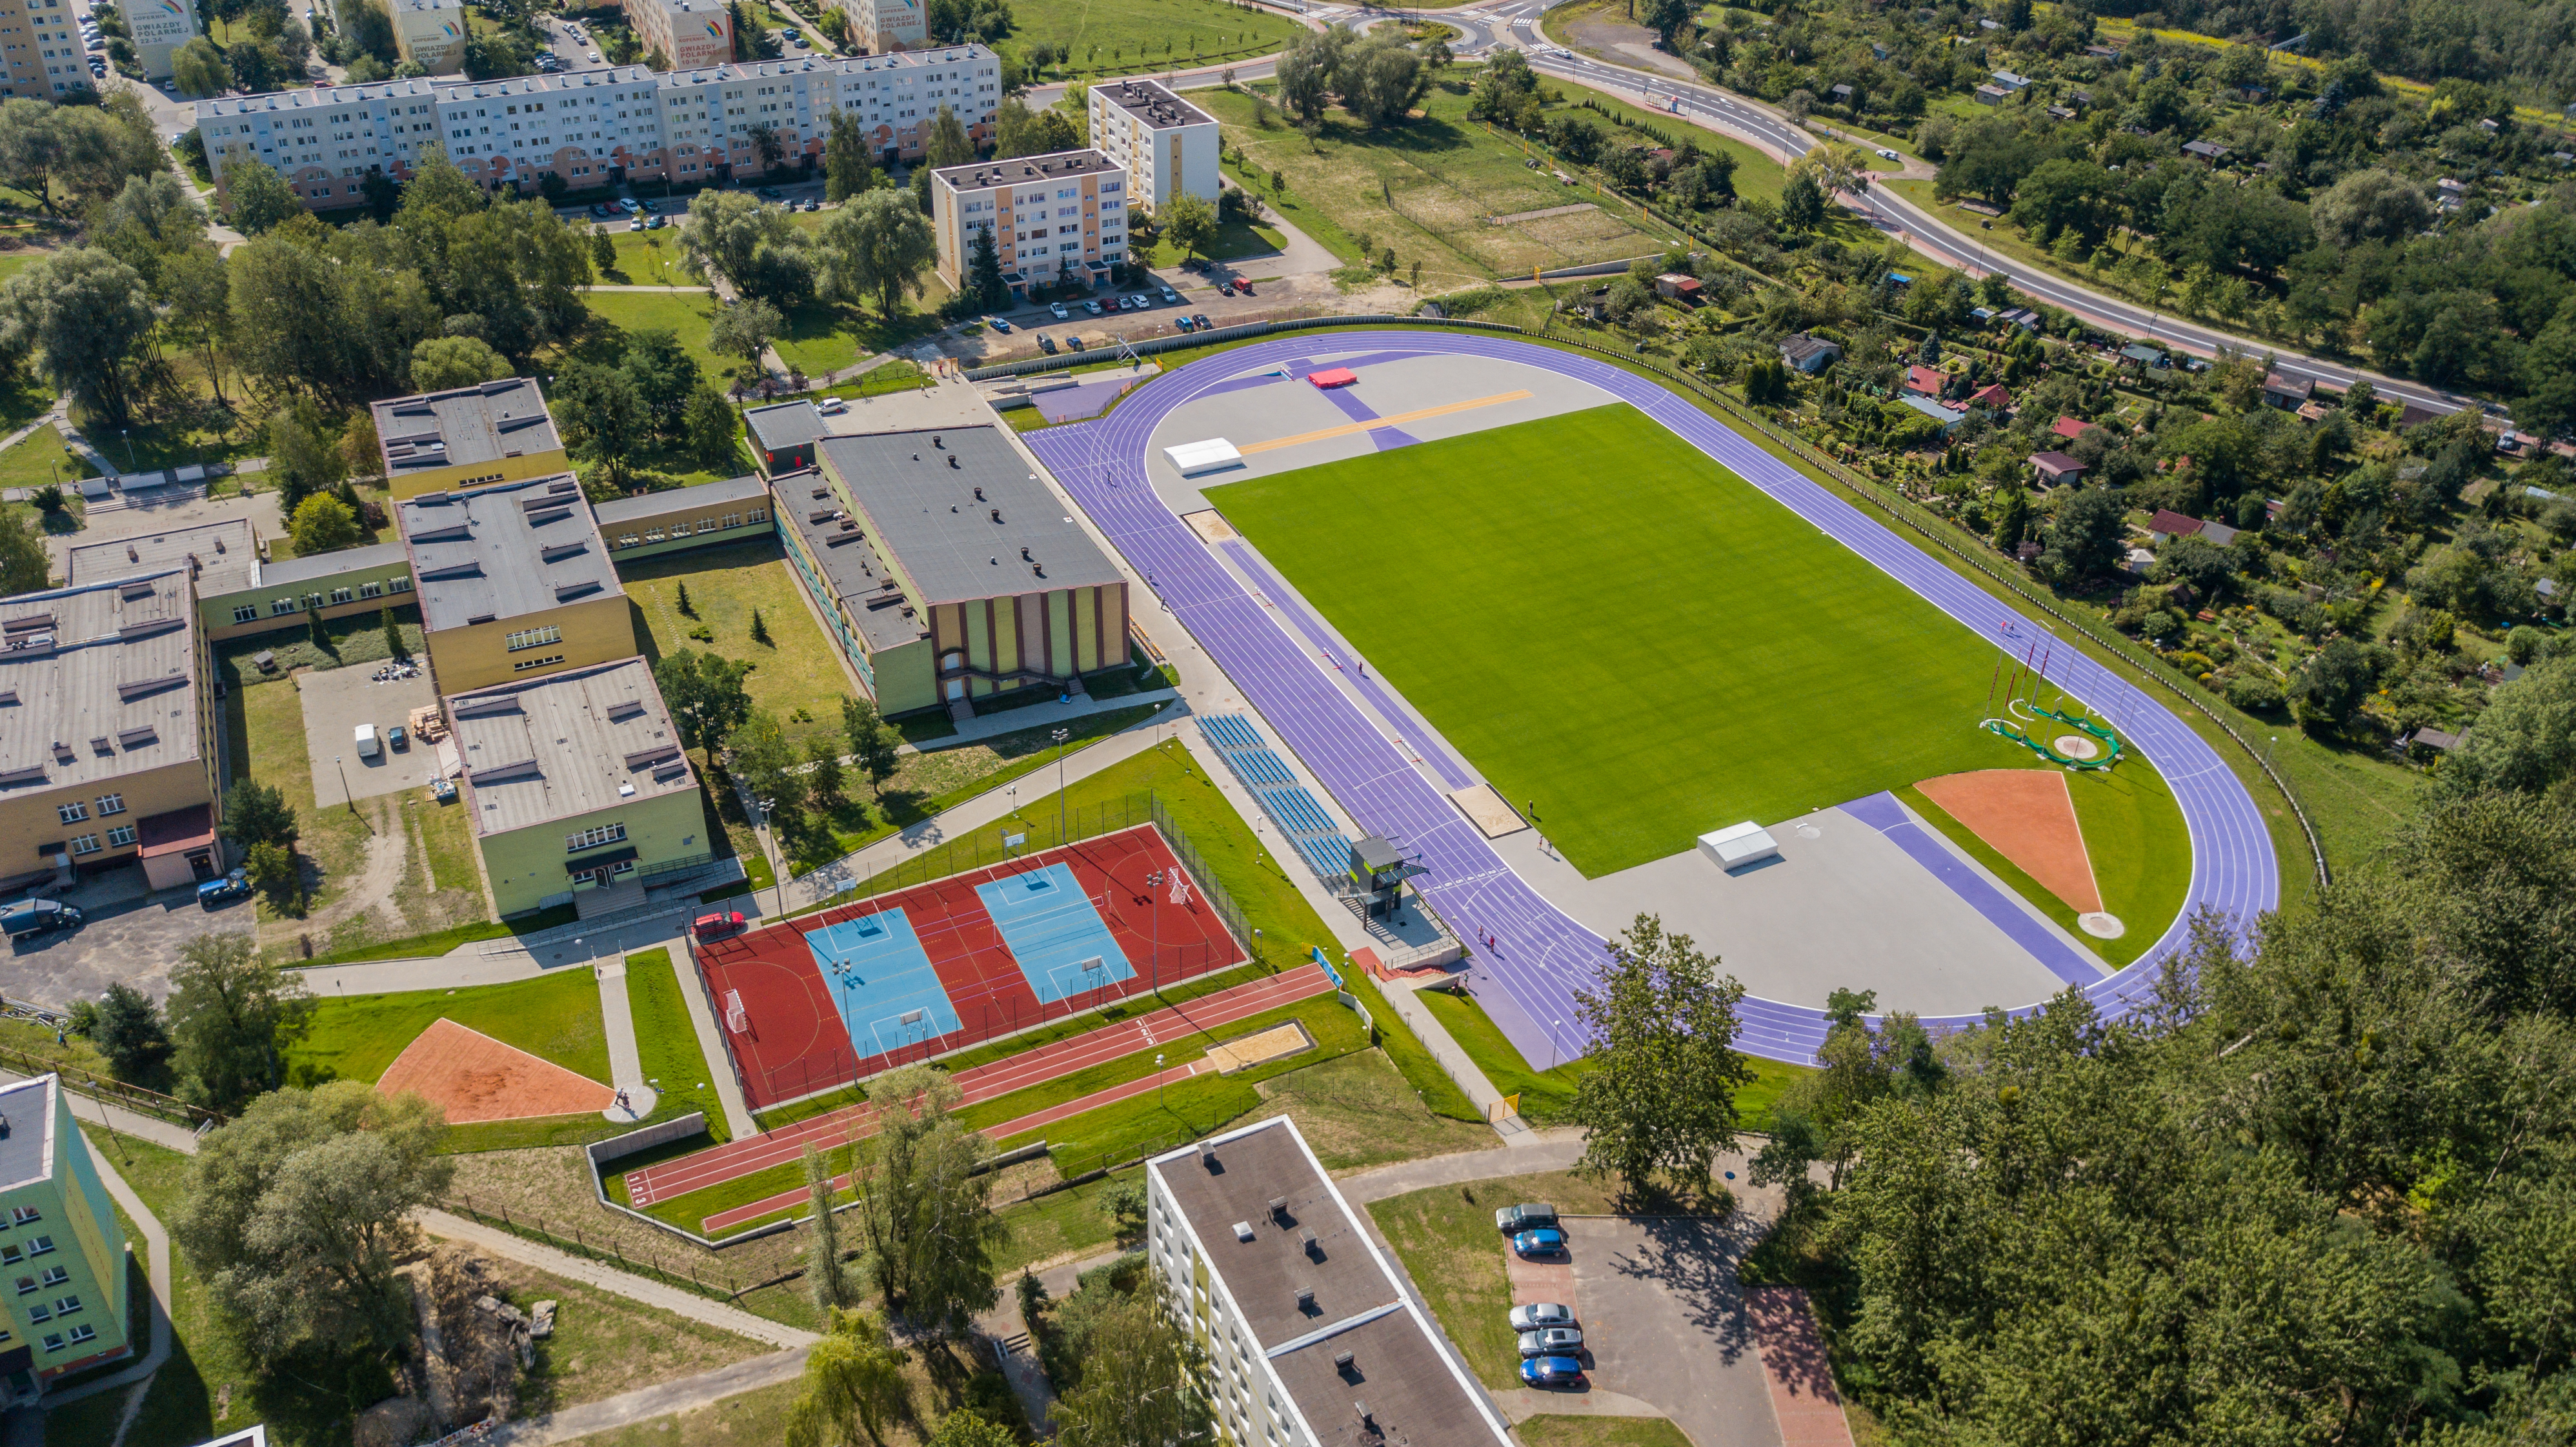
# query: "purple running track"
x,y
1530,956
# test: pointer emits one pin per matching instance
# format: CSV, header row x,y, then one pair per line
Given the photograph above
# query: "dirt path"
x,y
379,881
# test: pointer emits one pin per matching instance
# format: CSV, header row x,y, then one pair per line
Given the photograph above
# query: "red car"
x,y
718,925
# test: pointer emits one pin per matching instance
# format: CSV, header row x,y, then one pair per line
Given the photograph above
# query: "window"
x,y
525,664
371,590
26,1284
533,638
280,605
83,1332
120,836
71,813
758,515
594,836
38,1311
245,612
110,804
341,595
67,1306
39,1247
85,844
400,585
53,1341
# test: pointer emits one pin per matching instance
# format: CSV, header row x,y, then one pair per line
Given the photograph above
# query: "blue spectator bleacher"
x,y
1274,785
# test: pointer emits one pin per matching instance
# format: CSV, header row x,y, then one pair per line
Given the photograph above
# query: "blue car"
x,y
998,324
229,887
1544,1241
1552,1372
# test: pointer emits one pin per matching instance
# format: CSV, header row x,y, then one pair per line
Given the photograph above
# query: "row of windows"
x,y
532,638
593,837
54,1340
660,533
279,607
117,838
523,665
63,1306
76,811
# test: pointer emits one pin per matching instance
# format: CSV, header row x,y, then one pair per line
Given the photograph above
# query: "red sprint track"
x,y
733,1160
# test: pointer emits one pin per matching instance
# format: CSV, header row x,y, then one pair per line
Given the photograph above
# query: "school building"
x,y
513,581
494,432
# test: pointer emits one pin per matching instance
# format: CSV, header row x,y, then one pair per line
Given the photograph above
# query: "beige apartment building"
x,y
431,32
691,34
1167,146
40,49
1058,219
883,26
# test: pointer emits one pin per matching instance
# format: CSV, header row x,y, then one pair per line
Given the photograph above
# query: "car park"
x,y
1171,297
1056,308
1555,1341
718,925
1543,1241
1529,1215
1552,1372
1537,1315
368,746
998,324
223,889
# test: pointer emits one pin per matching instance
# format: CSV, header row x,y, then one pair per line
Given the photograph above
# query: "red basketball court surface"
x,y
789,1040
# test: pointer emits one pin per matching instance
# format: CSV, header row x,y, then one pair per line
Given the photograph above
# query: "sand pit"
x,y
2029,818
477,1078
1276,1043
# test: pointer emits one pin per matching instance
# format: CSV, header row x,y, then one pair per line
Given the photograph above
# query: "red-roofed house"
x,y
2069,428
2056,467
2286,393
1991,397
1925,381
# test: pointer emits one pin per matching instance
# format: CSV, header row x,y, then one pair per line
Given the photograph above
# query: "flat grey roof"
x,y
565,745
917,491
488,423
503,551
225,554
27,1151
1020,170
682,499
374,557
784,424
1396,1369
1152,102
846,551
97,682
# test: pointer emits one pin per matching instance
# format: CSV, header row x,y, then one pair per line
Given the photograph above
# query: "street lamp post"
x,y
1060,735
1158,1080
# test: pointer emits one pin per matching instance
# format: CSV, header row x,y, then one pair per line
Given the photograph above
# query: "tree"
x,y
2086,538
197,70
394,646
984,270
1802,204
25,566
872,744
1666,17
322,524
1663,1025
665,376
968,1428
255,198
296,1213
126,1027
709,427
1142,1393
706,696
196,294
762,758
30,147
231,1015
1381,79
2369,205
823,773
2329,690
847,171
853,1387
1306,70
925,1213
1190,223
727,230
603,418
300,461
256,813
89,319
824,1284
759,629
603,252
878,246
443,364
2522,743
945,142
745,329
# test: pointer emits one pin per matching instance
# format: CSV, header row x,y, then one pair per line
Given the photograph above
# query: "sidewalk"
x,y
647,1403
625,1062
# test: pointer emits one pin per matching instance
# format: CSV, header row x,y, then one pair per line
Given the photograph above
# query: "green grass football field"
x,y
1612,626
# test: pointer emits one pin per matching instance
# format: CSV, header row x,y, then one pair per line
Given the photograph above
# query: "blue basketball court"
x,y
1063,946
882,982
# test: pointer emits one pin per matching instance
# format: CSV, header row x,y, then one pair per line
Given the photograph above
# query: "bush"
x,y
2160,626
2254,695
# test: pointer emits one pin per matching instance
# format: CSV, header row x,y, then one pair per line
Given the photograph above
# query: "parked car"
x,y
398,738
770,192
1073,341
1203,322
812,205
1056,308
365,738
630,206
1171,297
1885,154
222,890
716,926
1545,1241
1227,289
602,209
1184,323
1540,1314
1092,306
1552,1372
654,223
38,916
998,324
1244,286
1524,1217
1046,344
1556,1341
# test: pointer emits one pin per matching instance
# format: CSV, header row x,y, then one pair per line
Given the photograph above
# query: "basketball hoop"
x,y
737,1019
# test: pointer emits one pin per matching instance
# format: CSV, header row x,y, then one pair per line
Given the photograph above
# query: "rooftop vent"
x,y
1242,1230
1279,1207
1342,1361
1306,1299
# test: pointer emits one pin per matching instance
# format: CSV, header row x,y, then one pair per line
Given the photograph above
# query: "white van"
x,y
367,745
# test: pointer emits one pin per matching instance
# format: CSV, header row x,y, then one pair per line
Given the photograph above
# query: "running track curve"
x,y
1527,983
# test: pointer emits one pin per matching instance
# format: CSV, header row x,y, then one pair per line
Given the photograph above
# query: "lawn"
x,y
1793,678
1127,37
1427,188
355,1037
666,1042
686,314
40,461
1552,1431
1547,1096
648,258
1236,239
797,675
823,337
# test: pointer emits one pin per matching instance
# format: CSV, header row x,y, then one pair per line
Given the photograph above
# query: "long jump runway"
x,y
1530,979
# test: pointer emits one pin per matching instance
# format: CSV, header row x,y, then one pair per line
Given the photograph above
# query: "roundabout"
x,y
1389,771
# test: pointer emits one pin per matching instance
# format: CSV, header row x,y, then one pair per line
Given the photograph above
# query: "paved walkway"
x,y
1453,1058
625,1063
646,1403
1556,1149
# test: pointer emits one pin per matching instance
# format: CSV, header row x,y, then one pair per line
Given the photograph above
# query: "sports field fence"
x,y
1887,500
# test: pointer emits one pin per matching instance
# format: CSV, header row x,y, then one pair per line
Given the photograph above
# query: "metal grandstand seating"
x,y
1308,828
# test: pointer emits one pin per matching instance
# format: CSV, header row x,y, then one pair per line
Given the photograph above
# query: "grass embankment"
x,y
1547,1096
666,1043
1133,37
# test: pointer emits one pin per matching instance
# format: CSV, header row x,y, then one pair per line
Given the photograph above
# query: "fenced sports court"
x,y
815,1003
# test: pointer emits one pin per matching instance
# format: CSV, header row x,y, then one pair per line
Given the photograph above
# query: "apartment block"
x,y
159,28
885,26
1059,218
692,34
514,581
40,49
1167,146
493,432
1311,1338
598,126
431,32
107,733
61,1251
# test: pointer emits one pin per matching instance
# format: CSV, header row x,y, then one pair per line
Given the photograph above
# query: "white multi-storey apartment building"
x,y
1166,145
596,127
1311,1339
159,28
1060,217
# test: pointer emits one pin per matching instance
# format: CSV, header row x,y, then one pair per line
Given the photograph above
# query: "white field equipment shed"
x,y
1196,459
1738,845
